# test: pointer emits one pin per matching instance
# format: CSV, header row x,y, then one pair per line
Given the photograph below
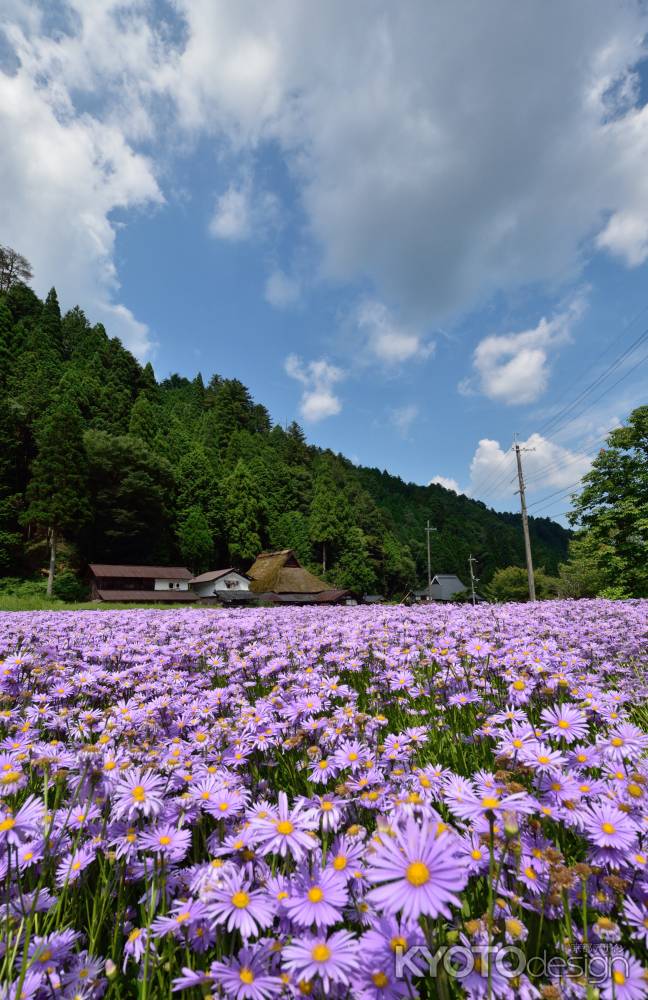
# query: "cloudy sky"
x,y
416,228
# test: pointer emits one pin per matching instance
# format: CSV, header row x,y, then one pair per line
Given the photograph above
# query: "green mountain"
x,y
123,468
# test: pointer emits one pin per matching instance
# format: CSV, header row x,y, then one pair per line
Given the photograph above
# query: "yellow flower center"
x,y
321,953
490,802
284,827
10,777
7,824
182,917
165,840
563,724
616,741
618,977
339,863
139,793
417,873
476,854
608,828
398,942
246,975
380,980
240,900
315,894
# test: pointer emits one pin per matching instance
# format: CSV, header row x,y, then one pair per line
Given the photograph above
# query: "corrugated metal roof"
x,y
216,575
150,596
141,572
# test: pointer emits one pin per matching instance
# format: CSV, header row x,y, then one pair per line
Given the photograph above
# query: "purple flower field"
x,y
349,802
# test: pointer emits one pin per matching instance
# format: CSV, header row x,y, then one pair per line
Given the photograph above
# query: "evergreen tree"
x,y
353,570
6,326
325,522
132,493
57,493
50,323
195,540
142,423
242,516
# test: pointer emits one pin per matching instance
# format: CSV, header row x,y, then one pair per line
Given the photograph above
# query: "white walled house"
x,y
218,582
110,582
164,583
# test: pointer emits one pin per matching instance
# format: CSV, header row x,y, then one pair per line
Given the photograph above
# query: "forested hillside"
x,y
127,469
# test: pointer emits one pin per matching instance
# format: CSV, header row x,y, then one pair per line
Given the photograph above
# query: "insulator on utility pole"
x,y
525,524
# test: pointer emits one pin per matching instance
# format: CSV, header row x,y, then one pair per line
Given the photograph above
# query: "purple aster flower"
x,y
322,770
541,757
167,840
73,864
238,906
316,898
288,833
183,914
565,722
421,874
189,979
18,826
135,945
246,977
636,916
627,979
334,959
625,740
138,792
607,826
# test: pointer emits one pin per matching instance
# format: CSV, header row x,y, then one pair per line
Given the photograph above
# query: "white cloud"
x,y
514,367
448,483
241,212
318,378
231,219
60,178
403,418
387,340
493,470
435,189
281,290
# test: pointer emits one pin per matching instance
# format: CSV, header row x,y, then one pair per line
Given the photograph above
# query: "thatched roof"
x,y
282,573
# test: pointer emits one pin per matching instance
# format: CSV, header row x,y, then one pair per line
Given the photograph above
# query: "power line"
x,y
593,385
603,353
547,501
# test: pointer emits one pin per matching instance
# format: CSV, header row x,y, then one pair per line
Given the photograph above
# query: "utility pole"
x,y
525,523
471,560
428,529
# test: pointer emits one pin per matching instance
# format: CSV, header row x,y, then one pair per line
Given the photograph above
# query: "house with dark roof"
x,y
220,582
280,577
444,587
166,584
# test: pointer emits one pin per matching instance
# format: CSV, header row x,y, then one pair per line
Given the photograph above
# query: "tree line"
x,y
100,461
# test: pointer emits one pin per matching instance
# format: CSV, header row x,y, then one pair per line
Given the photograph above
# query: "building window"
x,y
170,586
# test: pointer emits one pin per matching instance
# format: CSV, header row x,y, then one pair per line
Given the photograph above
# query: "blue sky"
x,y
416,229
